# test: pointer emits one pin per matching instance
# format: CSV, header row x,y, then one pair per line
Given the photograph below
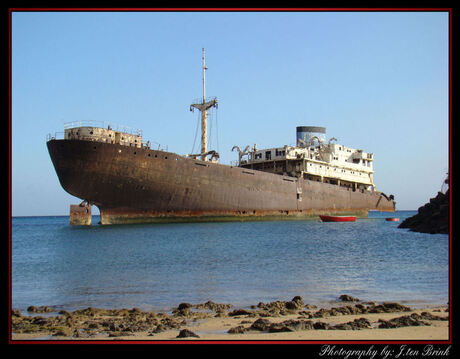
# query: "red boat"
x,y
337,218
391,219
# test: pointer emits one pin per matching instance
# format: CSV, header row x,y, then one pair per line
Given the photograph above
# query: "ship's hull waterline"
x,y
137,185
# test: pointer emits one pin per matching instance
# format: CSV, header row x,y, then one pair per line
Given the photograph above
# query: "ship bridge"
x,y
314,159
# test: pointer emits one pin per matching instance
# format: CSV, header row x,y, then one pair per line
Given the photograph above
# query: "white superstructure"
x,y
315,159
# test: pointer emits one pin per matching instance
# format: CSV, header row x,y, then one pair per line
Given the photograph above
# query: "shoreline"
x,y
347,319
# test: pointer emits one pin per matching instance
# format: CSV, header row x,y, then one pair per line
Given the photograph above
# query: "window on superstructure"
x,y
268,155
280,153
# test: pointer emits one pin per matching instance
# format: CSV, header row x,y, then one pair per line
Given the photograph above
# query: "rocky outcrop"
x,y
93,322
409,320
432,218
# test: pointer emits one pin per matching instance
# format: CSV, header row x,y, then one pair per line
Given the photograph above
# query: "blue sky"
x,y
378,81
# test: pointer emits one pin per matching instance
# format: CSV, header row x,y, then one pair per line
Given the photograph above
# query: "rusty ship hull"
x,y
138,185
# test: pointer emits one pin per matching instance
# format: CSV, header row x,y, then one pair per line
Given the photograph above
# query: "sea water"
x,y
158,266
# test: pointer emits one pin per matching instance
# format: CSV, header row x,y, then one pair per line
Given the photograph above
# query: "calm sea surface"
x,y
158,266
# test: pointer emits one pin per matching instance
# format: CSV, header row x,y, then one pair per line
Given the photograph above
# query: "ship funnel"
x,y
305,134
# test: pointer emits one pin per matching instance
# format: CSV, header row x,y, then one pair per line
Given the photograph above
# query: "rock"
x,y
348,298
290,325
322,313
404,321
159,328
321,326
296,303
183,306
239,312
185,333
389,308
431,218
296,325
183,310
261,324
237,330
279,328
357,324
41,309
429,316
282,308
215,307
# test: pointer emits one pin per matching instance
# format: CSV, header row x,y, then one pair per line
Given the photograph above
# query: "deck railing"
x,y
103,124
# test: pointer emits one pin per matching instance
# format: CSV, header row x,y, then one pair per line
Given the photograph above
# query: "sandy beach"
x,y
346,320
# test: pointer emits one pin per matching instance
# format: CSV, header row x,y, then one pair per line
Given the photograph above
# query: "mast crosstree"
x,y
204,106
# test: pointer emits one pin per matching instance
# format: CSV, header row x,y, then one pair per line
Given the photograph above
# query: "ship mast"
x,y
204,106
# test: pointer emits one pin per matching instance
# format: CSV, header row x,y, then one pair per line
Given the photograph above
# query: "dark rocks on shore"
x,y
264,325
291,325
431,218
91,322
